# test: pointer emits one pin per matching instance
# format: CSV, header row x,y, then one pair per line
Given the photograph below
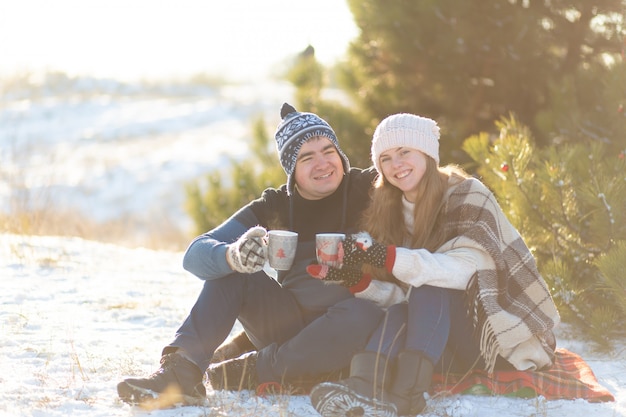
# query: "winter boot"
x,y
362,394
177,382
412,379
234,374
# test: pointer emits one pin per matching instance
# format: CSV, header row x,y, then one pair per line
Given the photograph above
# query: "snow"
x,y
115,151
78,316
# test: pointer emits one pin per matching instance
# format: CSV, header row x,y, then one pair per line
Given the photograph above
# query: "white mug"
x,y
281,248
327,249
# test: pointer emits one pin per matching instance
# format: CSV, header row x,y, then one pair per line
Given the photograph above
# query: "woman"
x,y
475,298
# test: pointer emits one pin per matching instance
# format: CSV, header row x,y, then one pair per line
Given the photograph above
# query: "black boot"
x,y
177,382
362,394
234,374
412,379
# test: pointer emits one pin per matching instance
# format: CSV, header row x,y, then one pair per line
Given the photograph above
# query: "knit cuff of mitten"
x,y
390,260
232,257
365,281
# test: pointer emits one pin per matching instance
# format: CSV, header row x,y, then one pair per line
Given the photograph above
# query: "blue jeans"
x,y
433,322
302,329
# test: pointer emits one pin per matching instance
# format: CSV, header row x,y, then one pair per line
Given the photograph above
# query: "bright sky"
x,y
145,38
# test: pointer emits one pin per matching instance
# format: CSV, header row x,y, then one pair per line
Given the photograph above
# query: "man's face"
x,y
319,168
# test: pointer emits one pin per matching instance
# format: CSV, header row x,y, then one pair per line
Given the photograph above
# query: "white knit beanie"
x,y
406,130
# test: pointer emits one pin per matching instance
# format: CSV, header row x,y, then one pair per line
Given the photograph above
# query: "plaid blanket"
x,y
569,378
513,311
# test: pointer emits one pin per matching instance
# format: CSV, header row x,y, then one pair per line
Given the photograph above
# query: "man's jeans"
x,y
303,329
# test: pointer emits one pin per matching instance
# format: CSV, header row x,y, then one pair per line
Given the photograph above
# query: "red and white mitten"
x,y
361,248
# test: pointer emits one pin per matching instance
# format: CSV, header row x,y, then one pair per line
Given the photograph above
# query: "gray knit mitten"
x,y
249,252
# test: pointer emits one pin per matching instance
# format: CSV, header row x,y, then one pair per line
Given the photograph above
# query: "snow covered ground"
x,y
78,316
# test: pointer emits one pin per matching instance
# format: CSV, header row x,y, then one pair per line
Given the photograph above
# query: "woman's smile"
x,y
403,174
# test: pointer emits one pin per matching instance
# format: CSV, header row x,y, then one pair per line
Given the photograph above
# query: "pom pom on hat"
x,y
286,109
294,130
405,130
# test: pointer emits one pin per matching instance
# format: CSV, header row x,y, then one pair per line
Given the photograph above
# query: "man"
x,y
301,327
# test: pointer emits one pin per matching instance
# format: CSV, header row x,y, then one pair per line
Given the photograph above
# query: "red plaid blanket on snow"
x,y
570,377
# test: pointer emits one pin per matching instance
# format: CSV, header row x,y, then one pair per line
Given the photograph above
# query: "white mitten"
x,y
249,252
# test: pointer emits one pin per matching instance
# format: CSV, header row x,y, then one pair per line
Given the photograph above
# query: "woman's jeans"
x,y
303,329
434,322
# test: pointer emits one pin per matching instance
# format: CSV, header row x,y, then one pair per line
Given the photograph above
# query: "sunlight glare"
x,y
143,38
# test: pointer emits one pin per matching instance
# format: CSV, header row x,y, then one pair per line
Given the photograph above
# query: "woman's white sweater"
x,y
416,267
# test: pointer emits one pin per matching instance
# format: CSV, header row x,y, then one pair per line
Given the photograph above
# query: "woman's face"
x,y
404,169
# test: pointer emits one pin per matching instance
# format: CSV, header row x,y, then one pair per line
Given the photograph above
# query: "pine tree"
x,y
310,78
569,204
307,76
466,64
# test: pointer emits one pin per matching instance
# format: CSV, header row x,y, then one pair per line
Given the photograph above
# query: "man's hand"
x,y
351,278
361,248
249,252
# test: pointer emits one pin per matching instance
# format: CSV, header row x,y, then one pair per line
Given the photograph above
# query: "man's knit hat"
x,y
294,130
406,130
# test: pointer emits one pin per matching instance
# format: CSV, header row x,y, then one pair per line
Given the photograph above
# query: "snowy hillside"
x,y
78,316
112,151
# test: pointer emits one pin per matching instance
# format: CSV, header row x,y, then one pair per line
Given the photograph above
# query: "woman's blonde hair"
x,y
384,219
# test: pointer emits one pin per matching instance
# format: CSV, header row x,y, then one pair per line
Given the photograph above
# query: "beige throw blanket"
x,y
510,302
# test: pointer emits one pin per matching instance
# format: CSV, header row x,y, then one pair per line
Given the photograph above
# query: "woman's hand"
x,y
361,248
352,278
